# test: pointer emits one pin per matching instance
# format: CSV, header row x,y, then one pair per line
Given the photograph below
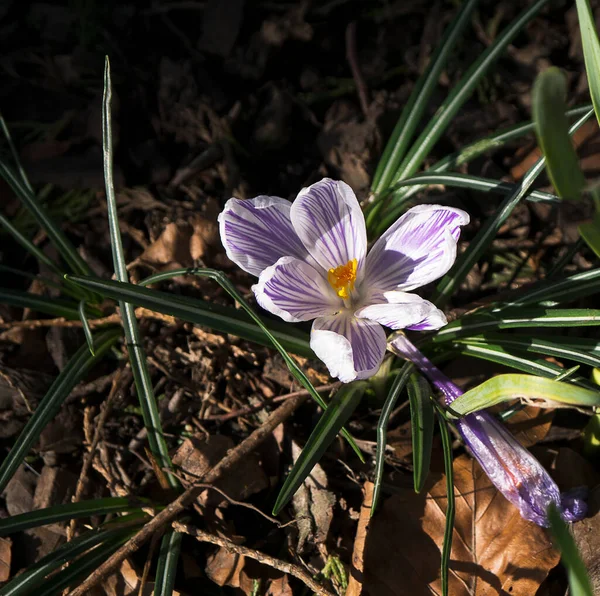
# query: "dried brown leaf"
x,y
171,248
494,550
5,558
531,425
355,584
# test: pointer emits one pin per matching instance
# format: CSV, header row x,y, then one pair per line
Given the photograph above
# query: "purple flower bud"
x,y
513,470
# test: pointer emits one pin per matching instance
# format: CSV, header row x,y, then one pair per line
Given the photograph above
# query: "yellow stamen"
x,y
342,278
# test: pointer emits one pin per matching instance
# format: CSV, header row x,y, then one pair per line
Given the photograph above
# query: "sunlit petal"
x,y
295,291
419,248
351,348
257,232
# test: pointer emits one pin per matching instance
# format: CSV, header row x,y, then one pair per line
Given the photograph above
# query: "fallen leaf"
x,y
494,550
587,538
5,558
356,571
225,568
313,505
123,583
197,456
171,248
279,587
530,425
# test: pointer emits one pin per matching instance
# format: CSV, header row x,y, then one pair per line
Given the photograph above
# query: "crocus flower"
x,y
513,470
311,260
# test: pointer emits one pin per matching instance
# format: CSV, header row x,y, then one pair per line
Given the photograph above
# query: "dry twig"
x,y
169,514
278,564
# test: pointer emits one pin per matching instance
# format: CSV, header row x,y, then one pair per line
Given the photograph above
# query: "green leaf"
x,y
450,509
75,371
534,390
488,231
499,355
463,156
68,511
584,351
579,581
417,103
590,232
591,51
30,581
555,291
171,542
214,316
549,103
55,234
514,318
461,92
421,419
384,418
343,404
55,307
87,331
475,183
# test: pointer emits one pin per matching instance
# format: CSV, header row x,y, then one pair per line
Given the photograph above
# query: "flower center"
x,y
342,278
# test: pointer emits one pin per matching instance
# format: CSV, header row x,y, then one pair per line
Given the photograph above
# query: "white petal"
x,y
351,348
399,310
257,232
419,248
330,223
295,291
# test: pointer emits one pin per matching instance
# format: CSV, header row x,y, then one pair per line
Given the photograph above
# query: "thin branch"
x,y
168,515
278,564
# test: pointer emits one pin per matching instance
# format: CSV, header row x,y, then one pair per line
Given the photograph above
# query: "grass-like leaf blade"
x,y
591,51
382,425
509,387
549,102
579,581
73,373
68,511
341,407
421,419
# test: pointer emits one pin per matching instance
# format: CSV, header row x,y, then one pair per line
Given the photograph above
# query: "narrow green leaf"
x,y
73,373
461,92
534,390
513,359
474,183
83,567
168,556
579,581
514,318
56,307
488,231
15,154
87,331
549,103
214,316
31,579
421,419
169,553
68,511
581,350
55,234
450,508
591,51
590,232
343,404
382,424
555,291
468,153
418,100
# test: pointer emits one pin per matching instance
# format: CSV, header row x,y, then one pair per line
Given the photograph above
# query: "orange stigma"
x,y
342,278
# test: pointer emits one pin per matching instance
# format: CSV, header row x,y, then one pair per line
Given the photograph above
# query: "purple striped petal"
x,y
330,223
257,232
295,291
515,472
418,248
351,348
399,310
